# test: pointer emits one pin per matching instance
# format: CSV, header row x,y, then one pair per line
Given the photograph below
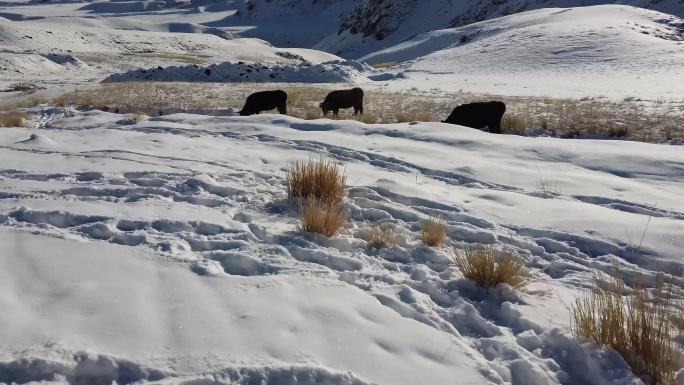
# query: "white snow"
x,y
164,251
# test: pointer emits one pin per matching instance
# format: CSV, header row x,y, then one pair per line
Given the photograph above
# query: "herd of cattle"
x,y
476,115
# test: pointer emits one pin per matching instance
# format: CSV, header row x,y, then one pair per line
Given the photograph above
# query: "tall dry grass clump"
x,y
641,327
12,118
488,267
433,232
320,179
321,218
380,238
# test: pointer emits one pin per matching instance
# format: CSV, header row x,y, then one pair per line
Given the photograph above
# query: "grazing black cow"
x,y
264,101
478,115
343,99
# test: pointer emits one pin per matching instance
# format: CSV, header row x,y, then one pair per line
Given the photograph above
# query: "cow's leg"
x,y
283,109
356,110
336,112
361,109
495,126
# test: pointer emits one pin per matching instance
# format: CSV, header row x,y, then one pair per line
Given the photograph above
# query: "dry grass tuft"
x,y
416,115
12,118
69,112
134,118
433,232
384,238
321,218
513,124
488,267
641,327
384,65
320,179
367,118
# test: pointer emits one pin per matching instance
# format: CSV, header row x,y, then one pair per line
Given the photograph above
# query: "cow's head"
x,y
325,107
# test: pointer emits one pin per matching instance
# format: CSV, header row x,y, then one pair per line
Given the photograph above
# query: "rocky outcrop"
x,y
378,18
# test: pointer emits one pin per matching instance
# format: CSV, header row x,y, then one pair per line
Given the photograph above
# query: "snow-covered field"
x,y
165,250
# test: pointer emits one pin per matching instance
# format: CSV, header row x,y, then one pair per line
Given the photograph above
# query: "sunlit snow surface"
x,y
166,251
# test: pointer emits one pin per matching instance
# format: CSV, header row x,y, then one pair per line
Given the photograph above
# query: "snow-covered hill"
x,y
380,23
75,48
608,50
164,251
348,28
353,28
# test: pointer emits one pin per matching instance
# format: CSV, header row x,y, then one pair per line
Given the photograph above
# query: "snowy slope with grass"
x,y
165,251
610,50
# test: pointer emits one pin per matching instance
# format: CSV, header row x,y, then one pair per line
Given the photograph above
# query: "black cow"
x,y
343,99
478,115
264,101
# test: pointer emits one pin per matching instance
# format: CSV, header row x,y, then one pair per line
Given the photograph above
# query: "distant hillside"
x,y
353,28
597,50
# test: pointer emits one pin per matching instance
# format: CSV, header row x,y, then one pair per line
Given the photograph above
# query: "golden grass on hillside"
x,y
321,218
320,179
433,232
180,57
12,118
641,327
489,267
384,238
646,121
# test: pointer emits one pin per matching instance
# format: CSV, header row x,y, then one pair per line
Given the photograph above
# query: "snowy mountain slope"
x,y
349,28
58,49
173,256
603,50
354,28
378,23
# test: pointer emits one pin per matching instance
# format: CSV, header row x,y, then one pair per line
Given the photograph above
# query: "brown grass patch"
x,y
569,118
513,124
433,232
321,218
320,179
384,65
641,327
179,57
367,118
489,267
13,118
